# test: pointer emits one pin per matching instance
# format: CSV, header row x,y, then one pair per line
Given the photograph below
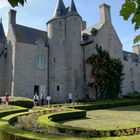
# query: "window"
x,y
40,62
54,60
40,45
131,72
58,88
60,23
132,86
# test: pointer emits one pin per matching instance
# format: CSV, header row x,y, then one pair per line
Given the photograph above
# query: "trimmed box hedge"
x,y
49,121
13,111
20,101
8,132
107,104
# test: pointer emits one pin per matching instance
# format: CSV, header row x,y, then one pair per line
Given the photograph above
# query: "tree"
x,y
106,74
14,3
131,8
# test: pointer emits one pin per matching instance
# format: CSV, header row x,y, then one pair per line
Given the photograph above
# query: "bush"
x,y
48,121
13,111
20,101
108,104
134,95
23,103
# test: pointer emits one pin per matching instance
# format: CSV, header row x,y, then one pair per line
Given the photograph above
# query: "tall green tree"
x,y
106,74
14,3
131,9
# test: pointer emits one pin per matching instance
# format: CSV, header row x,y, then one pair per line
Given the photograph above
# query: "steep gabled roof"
x,y
60,9
72,8
2,34
28,35
96,26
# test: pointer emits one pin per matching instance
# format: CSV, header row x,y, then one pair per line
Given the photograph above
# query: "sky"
x,y
36,13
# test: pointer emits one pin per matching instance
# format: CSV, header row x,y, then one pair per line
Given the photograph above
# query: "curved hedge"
x,y
8,132
21,101
107,104
13,111
50,121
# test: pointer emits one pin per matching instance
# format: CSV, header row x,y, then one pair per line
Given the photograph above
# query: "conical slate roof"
x,y
2,34
60,9
72,8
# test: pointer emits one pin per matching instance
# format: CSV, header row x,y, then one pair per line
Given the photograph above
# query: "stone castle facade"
x,y
53,61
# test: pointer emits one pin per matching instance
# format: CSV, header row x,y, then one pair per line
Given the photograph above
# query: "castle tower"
x,y
74,59
56,40
65,52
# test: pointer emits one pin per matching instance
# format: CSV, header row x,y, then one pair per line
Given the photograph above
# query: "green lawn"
x,y
109,118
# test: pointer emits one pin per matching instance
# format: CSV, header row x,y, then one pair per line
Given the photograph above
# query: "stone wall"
x,y
27,75
2,72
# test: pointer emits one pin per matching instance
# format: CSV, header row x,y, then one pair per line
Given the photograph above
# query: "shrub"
x,y
20,101
134,95
13,111
108,104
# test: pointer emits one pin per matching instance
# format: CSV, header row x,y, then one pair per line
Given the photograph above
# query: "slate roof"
x,y
60,9
2,34
72,8
28,35
134,57
96,26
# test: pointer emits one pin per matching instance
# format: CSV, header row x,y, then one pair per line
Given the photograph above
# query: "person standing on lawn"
x,y
42,97
0,103
7,100
36,99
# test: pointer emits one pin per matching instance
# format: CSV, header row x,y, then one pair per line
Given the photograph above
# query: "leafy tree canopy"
x,y
106,74
131,8
14,3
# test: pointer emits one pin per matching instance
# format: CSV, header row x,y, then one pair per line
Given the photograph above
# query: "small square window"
x,y
40,45
58,88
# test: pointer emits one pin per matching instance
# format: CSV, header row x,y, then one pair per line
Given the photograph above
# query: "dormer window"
x,y
40,44
94,32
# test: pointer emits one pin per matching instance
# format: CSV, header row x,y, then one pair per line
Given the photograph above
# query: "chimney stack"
x,y
105,13
12,17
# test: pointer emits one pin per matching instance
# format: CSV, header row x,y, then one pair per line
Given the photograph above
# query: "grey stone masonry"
x,y
53,61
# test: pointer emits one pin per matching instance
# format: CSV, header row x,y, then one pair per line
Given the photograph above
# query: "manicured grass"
x,y
119,117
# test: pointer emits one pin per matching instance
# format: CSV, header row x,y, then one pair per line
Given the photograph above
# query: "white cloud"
x,y
3,3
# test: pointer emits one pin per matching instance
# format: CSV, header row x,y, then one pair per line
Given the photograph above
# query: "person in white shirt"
x,y
42,97
70,98
36,99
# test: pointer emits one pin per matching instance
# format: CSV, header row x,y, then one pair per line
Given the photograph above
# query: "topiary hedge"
x,y
8,132
49,121
134,95
20,101
107,104
13,111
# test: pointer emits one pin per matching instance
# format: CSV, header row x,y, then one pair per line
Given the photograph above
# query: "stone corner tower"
x,y
65,52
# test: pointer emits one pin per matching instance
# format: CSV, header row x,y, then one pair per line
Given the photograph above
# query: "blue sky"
x,y
37,12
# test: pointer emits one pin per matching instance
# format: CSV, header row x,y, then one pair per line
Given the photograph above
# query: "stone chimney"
x,y
12,17
105,13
